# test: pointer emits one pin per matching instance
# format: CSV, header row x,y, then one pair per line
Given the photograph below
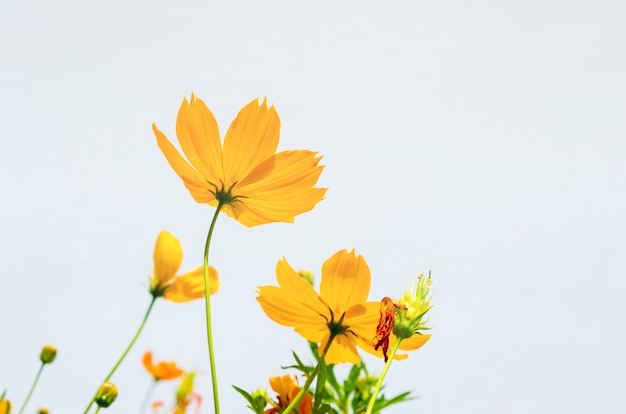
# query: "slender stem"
x,y
130,345
207,301
292,405
379,384
146,398
32,388
98,410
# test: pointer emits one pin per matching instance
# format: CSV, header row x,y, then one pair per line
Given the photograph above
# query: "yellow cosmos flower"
x,y
168,255
253,183
340,308
163,370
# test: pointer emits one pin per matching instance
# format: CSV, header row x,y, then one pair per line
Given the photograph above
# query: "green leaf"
x,y
255,403
320,386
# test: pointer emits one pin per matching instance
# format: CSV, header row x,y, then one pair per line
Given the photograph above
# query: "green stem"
x,y
207,301
292,406
379,384
98,410
130,345
32,388
146,398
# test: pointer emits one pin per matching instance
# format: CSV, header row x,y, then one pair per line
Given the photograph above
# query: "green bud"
x,y
48,353
107,393
307,275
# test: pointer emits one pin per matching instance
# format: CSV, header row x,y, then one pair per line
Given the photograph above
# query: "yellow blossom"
x,y
340,308
168,256
163,370
5,406
254,184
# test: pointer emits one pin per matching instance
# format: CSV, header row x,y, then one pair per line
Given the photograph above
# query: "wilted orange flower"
x,y
168,255
340,307
254,184
163,370
287,389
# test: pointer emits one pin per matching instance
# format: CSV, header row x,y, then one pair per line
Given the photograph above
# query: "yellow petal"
x,y
190,177
190,286
343,349
295,303
168,256
199,139
251,139
414,342
345,281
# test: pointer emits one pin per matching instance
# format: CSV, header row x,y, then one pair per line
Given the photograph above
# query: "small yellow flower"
x,y
340,308
48,353
163,370
254,184
168,256
5,407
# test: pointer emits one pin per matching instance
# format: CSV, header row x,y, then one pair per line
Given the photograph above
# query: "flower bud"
x,y
43,410
48,353
107,393
414,305
307,275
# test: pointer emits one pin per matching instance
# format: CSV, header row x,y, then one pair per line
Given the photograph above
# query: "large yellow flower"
x,y
254,184
168,255
340,307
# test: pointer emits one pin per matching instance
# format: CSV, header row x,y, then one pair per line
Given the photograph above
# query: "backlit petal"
x,y
345,281
168,256
199,139
414,342
190,177
251,139
190,286
343,349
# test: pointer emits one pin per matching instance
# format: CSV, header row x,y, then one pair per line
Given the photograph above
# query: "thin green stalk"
x,y
379,384
207,301
130,345
146,398
98,410
291,407
32,388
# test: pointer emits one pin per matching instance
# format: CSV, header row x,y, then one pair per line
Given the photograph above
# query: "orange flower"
x,y
168,256
163,370
253,183
287,388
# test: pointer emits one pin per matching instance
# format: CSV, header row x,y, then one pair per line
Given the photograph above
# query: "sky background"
x,y
484,140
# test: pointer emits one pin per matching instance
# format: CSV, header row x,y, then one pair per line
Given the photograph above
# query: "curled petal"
x,y
190,286
168,255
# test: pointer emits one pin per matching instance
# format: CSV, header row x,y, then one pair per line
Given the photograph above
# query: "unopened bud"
x,y
48,353
107,393
43,410
307,275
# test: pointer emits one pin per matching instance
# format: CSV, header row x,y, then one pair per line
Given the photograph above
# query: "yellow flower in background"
x,y
168,256
253,183
340,307
163,370
5,407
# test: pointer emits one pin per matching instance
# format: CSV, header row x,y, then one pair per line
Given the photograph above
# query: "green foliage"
x,y
255,400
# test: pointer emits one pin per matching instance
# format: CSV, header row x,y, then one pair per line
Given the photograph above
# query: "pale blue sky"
x,y
484,140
